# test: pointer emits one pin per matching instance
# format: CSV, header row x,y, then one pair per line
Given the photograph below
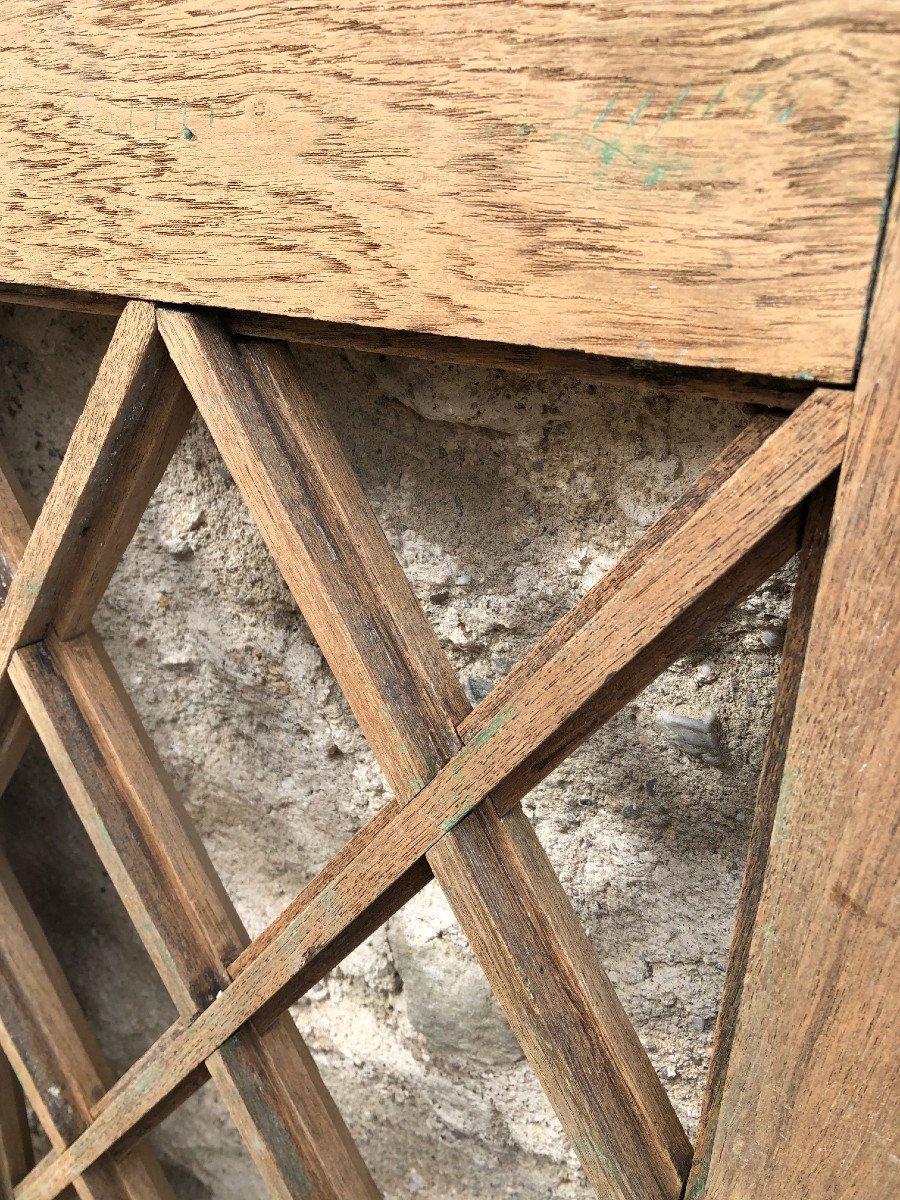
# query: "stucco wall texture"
x,y
505,497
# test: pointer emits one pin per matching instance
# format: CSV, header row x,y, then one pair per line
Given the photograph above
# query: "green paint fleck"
x,y
713,103
785,115
804,375
680,99
754,100
641,108
610,106
453,821
655,176
211,111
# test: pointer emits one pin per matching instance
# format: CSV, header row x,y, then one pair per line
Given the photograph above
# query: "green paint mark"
x,y
453,821
680,99
524,130
785,799
211,111
484,735
754,100
610,106
589,1148
713,103
804,375
785,115
186,133
641,108
655,176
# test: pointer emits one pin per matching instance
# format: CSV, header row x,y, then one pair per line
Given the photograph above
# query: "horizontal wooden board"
x,y
682,182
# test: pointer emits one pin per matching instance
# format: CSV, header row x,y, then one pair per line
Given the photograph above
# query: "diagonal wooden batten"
x,y
743,516
815,542
134,417
182,913
810,1100
44,1034
387,658
16,1152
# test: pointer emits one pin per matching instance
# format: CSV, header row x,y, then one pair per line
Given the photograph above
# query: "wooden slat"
x,y
161,870
815,542
159,867
276,965
676,380
683,182
134,417
387,658
16,1153
44,1034
810,1105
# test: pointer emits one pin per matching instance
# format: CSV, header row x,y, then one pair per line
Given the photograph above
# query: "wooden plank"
x,y
815,542
673,182
134,417
16,1153
44,1034
676,380
387,658
276,966
810,1104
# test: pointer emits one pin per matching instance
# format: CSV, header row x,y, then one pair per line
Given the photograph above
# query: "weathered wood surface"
x,y
815,542
387,658
130,809
134,417
277,965
687,183
44,1033
811,1105
675,380
16,1154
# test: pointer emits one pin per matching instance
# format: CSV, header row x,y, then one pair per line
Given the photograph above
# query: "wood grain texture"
x,y
368,624
815,542
675,380
280,963
675,182
134,417
157,863
811,1105
153,854
44,1034
16,1153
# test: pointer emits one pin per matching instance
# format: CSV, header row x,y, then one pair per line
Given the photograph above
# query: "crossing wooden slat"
x,y
16,1153
159,866
387,658
135,415
44,1033
810,1102
815,542
270,972
156,862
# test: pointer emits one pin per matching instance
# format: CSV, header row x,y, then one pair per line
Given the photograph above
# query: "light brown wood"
x,y
815,542
44,1034
674,182
387,658
159,867
134,417
154,857
16,1154
811,1105
753,503
641,375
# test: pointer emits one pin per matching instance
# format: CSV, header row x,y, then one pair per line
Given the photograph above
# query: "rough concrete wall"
x,y
505,498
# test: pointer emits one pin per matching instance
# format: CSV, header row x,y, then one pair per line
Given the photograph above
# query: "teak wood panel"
x,y
811,1103
700,184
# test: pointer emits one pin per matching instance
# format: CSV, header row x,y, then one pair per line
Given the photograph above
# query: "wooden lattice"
x,y
457,775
